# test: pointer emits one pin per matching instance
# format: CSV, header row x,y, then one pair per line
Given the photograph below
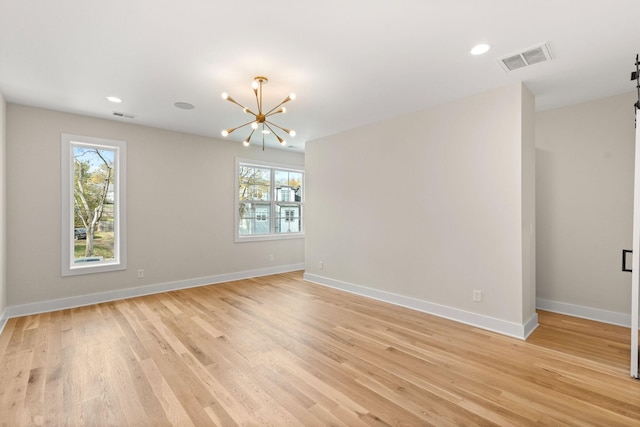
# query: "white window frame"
x,y
120,197
273,202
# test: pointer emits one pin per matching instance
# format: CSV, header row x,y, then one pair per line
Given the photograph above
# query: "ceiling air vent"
x,y
124,115
527,57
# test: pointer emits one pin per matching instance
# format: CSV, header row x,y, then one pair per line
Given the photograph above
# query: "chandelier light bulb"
x,y
255,84
225,95
225,133
254,125
283,110
292,132
246,142
292,96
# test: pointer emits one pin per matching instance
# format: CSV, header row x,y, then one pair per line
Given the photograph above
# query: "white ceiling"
x,y
350,62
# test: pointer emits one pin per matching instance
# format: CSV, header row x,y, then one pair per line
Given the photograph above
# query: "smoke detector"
x,y
525,58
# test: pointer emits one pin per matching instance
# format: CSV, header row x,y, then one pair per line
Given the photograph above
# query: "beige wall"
x,y
585,162
180,207
430,205
3,223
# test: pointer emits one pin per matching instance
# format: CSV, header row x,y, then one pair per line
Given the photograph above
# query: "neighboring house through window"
x,y
269,200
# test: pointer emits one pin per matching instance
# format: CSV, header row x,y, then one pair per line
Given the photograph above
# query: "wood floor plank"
x,y
171,407
279,351
13,390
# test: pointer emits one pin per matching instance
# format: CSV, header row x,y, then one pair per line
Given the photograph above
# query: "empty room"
x,y
409,213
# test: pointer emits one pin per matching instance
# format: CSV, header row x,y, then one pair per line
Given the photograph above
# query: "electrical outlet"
x,y
321,265
477,295
140,274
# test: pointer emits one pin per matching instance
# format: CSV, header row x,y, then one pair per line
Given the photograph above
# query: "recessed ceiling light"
x,y
480,49
184,105
114,99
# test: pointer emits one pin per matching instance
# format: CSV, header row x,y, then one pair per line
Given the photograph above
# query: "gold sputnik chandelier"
x,y
261,118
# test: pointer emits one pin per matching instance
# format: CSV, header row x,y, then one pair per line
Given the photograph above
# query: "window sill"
x,y
260,238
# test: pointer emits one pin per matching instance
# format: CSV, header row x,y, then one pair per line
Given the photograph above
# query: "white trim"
x,y
530,325
263,237
589,313
3,320
90,299
272,202
67,142
262,163
635,263
504,327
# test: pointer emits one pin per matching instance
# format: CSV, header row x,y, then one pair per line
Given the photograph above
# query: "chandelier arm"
x,y
280,140
255,92
258,92
241,126
287,99
271,113
247,141
279,127
266,123
230,99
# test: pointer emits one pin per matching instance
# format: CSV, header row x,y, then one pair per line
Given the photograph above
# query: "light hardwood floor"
x,y
279,351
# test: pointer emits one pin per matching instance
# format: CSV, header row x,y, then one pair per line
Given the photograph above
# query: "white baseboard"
x,y
484,322
84,300
604,316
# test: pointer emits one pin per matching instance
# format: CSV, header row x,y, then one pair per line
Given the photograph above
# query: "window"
x,y
269,198
93,205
